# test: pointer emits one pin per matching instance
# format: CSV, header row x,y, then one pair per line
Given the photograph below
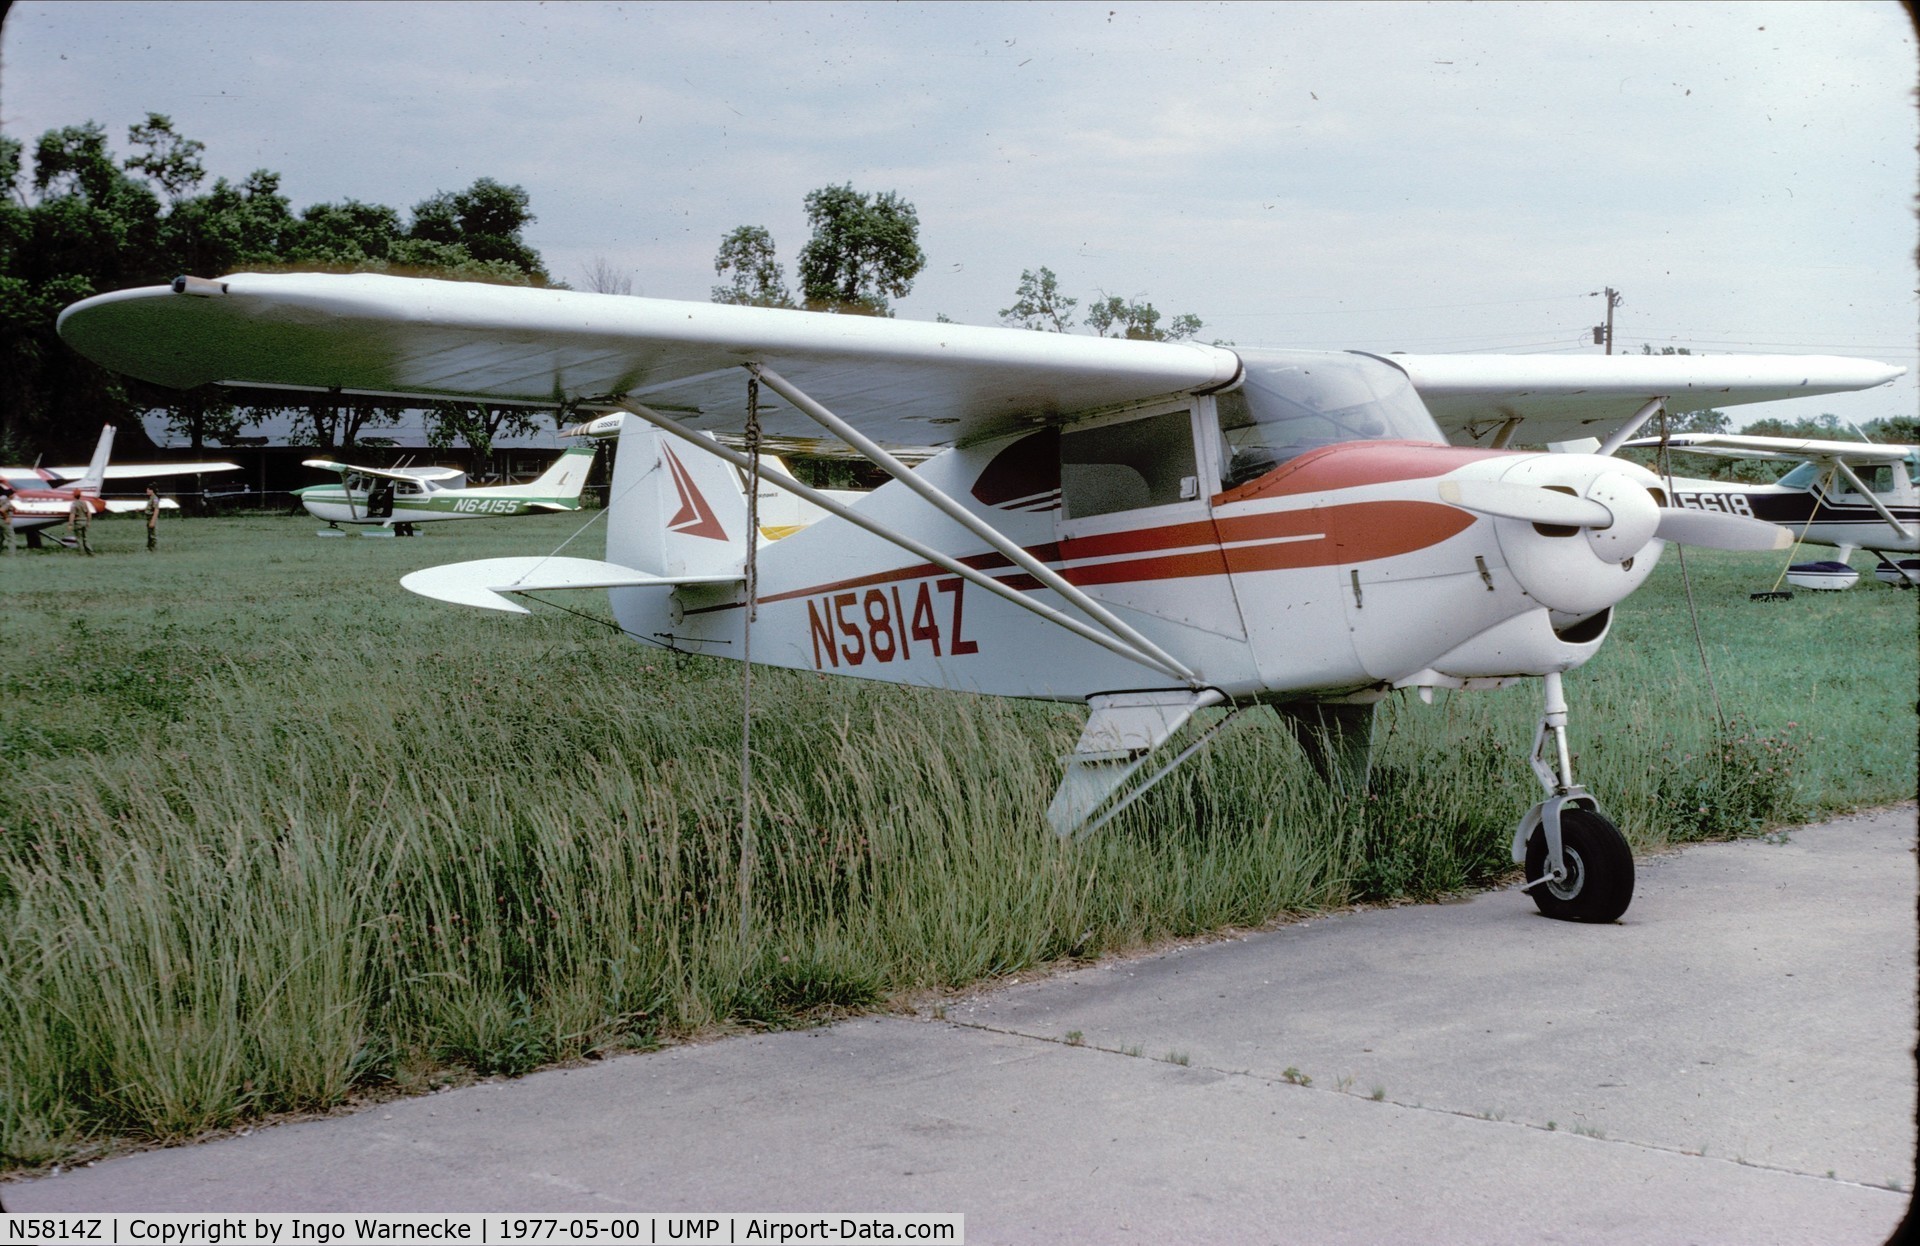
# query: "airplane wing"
x,y
412,474
904,381
1568,397
900,382
1741,446
147,471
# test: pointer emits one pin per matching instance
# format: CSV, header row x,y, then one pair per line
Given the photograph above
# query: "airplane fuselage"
x,y
339,505
1340,572
1838,516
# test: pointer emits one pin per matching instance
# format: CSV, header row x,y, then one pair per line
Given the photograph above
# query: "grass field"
x,y
274,832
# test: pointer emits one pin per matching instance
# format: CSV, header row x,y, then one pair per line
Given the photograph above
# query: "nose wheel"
x,y
1579,867
1596,882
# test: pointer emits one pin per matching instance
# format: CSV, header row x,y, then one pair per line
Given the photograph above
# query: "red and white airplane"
x,y
1149,528
43,496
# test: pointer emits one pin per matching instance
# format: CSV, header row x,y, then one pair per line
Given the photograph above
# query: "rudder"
x,y
673,510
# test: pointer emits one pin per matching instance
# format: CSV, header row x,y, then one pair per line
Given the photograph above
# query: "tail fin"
x,y
567,476
97,469
673,509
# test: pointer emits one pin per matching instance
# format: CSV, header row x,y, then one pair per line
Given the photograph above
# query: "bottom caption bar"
x,y
283,1229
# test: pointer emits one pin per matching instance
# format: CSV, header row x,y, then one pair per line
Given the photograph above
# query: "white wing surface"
x,y
1567,397
143,471
412,475
486,582
901,381
1742,446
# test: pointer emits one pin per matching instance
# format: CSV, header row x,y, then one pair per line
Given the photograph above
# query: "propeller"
x,y
1718,531
1630,509
1526,502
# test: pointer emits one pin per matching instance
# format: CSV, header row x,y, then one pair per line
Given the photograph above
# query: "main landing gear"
x,y
1578,865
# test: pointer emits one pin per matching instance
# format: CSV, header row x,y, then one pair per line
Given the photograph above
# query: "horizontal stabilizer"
x,y
482,583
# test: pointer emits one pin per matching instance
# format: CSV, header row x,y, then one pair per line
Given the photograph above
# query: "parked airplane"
x,y
394,499
1849,494
1150,528
37,477
42,496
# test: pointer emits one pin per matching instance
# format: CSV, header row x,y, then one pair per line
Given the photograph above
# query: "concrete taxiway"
x,y
1733,1062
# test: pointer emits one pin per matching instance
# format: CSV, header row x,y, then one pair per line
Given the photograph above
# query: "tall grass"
x,y
273,832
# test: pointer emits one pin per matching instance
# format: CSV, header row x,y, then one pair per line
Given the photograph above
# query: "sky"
x,y
1416,177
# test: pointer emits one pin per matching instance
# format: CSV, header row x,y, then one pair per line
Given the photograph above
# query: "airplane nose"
x,y
1636,517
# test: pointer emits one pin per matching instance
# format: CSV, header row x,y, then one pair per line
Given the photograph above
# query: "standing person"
x,y
79,519
153,520
6,520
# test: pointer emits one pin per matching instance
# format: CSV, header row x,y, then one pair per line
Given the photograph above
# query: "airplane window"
x,y
1801,477
1878,477
1118,467
1295,401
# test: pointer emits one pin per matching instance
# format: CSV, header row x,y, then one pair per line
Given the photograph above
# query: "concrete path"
x,y
1734,1062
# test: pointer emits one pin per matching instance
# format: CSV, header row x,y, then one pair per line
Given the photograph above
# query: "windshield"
x,y
1291,402
1801,477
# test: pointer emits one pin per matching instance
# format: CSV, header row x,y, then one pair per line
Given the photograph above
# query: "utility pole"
x,y
1603,333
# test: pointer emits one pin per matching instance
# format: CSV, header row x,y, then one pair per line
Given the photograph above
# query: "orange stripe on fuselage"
x,y
1352,464
1311,536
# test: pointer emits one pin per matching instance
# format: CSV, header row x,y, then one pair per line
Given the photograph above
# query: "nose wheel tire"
x,y
1599,882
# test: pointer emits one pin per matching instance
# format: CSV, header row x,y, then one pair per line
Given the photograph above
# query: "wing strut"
x,y
1860,487
1621,435
917,549
974,524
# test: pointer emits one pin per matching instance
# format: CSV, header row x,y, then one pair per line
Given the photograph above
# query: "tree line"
x,y
76,220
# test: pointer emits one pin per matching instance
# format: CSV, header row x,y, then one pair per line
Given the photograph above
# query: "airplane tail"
x,y
673,509
568,475
96,476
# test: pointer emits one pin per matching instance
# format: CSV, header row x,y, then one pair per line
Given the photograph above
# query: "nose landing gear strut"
x,y
1578,865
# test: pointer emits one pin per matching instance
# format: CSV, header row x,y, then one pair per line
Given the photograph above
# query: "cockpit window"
x,y
1291,402
1801,477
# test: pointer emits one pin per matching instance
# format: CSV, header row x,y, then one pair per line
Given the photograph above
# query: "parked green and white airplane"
x,y
394,499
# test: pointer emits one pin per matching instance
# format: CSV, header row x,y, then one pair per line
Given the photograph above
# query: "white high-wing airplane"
x,y
42,496
37,477
1149,528
1849,494
391,500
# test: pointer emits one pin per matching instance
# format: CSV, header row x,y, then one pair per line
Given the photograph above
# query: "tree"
x,y
476,233
604,278
1038,304
478,425
167,158
82,222
208,414
756,279
1112,316
333,423
865,251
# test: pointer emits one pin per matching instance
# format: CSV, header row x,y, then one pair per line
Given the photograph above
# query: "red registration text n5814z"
x,y
889,623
